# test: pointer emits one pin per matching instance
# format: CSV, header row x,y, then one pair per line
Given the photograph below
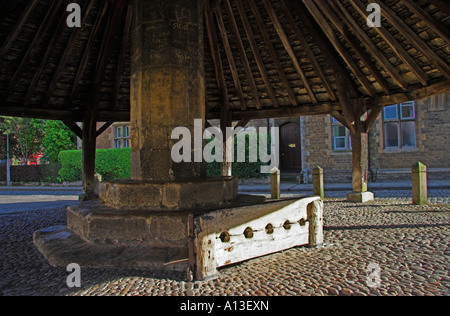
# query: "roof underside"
x,y
269,58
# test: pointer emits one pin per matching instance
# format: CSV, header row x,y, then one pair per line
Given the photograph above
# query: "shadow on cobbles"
x,y
362,227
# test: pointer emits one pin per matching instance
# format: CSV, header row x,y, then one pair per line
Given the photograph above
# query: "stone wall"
x,y
433,146
433,143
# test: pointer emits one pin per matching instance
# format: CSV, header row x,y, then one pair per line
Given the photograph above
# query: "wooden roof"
x,y
263,58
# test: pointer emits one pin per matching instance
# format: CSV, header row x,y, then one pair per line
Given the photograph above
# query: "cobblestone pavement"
x,y
410,245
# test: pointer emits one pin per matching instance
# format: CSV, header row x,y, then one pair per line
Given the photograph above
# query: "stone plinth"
x,y
98,224
170,195
61,247
360,197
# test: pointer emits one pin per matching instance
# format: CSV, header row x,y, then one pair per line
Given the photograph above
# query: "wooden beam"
x,y
337,21
231,62
242,123
243,55
17,28
104,127
327,50
442,5
439,28
74,127
66,54
215,4
415,93
346,101
55,37
273,55
394,44
282,112
372,117
121,62
415,39
306,47
105,52
367,41
29,54
256,53
287,45
341,119
87,52
15,109
320,19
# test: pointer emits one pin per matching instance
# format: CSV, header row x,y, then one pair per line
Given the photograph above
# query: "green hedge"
x,y
242,170
111,164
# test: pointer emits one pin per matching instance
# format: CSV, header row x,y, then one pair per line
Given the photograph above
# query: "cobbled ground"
x,y
409,244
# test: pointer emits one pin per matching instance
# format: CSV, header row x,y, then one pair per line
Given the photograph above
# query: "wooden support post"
x,y
228,142
318,188
360,159
275,180
88,152
419,184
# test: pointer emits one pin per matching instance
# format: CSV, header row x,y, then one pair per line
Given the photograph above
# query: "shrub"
x,y
111,164
242,170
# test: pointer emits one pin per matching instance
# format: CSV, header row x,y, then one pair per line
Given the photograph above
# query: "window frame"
x,y
348,139
122,137
399,122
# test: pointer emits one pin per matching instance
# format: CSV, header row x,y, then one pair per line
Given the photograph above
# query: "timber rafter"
x,y
263,58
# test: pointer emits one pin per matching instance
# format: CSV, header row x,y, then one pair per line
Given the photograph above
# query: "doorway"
x,y
290,148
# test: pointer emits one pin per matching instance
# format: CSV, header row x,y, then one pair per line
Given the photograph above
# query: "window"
x,y
400,126
122,136
341,137
439,102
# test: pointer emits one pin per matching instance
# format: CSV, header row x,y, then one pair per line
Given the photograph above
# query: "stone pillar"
x,y
275,180
318,188
167,86
419,184
360,161
168,92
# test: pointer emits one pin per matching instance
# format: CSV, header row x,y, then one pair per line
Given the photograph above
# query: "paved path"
x,y
24,199
409,244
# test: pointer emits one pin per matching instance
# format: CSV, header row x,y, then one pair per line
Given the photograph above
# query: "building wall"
x,y
432,121
433,143
318,150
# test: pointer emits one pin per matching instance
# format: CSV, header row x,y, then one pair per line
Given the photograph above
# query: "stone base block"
x,y
170,196
61,247
97,223
360,197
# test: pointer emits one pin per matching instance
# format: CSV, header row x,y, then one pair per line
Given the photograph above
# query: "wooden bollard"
x,y
419,184
275,179
318,188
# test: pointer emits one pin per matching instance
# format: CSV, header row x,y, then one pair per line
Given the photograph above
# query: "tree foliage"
x,y
57,137
35,136
26,135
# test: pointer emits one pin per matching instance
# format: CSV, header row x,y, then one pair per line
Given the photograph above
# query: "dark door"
x,y
290,148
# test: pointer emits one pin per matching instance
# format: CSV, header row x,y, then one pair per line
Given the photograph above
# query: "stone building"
x,y
402,135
